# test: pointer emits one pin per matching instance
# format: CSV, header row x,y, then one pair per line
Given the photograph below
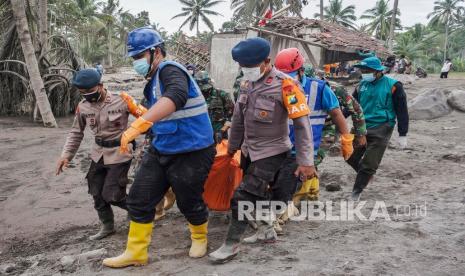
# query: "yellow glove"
x,y
347,147
138,127
135,109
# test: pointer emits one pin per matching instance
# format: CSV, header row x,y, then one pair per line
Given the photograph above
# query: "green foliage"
x,y
423,44
247,12
459,64
337,13
196,10
97,30
380,19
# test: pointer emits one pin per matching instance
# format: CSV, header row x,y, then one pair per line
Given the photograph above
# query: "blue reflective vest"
x,y
313,90
186,130
375,98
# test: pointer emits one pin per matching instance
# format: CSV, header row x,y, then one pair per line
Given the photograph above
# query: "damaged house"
x,y
321,42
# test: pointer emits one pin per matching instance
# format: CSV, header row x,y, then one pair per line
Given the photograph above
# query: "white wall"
x,y
223,69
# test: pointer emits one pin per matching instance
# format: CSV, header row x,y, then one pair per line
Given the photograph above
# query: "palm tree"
x,y
336,13
445,13
380,19
391,26
109,14
196,10
36,82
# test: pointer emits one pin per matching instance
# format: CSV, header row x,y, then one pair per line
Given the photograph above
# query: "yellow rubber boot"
x,y
302,193
314,191
136,254
199,240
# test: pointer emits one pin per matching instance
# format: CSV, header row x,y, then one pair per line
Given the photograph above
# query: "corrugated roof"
x,y
331,36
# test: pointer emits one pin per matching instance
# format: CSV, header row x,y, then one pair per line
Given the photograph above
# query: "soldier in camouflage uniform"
x,y
237,85
350,107
220,105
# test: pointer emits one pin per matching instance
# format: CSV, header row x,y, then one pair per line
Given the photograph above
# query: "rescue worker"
x,y
181,153
99,68
107,116
191,69
321,101
220,105
237,85
260,129
383,100
350,107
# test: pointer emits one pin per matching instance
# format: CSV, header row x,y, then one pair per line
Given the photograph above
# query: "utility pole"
x,y
393,24
321,10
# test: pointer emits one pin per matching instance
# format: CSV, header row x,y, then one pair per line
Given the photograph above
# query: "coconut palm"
x,y
36,82
196,10
445,13
248,11
337,13
380,19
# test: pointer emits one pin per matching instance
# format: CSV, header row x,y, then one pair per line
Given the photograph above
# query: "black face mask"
x,y
92,97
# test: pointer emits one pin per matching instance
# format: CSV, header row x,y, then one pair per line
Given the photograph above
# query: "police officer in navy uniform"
x,y
268,99
181,153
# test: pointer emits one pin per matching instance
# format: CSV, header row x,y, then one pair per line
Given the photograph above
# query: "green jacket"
x,y
376,101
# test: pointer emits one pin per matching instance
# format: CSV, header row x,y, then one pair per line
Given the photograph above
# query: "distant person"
x,y
191,69
403,64
389,63
446,68
99,68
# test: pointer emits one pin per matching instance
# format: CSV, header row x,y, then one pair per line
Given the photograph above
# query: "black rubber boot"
x,y
361,182
108,225
230,247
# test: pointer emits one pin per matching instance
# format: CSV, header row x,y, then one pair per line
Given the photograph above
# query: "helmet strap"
x,y
152,53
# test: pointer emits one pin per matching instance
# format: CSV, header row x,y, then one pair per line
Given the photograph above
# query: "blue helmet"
x,y
141,39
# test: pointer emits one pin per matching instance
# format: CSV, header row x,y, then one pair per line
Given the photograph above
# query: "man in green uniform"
x,y
219,102
350,107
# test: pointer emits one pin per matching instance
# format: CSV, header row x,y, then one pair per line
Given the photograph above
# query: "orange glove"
x,y
134,109
294,99
138,127
347,147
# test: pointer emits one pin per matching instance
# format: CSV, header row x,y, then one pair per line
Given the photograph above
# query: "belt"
x,y
111,143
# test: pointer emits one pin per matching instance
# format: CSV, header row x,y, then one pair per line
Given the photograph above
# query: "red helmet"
x,y
289,60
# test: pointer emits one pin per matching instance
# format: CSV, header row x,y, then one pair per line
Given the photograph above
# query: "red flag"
x,y
268,15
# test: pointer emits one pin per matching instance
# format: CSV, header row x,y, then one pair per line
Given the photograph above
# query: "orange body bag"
x,y
224,178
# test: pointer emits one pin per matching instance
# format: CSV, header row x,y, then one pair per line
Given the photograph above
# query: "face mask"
x,y
92,97
141,66
368,77
252,74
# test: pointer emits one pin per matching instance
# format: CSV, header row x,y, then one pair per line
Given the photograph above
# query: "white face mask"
x,y
252,74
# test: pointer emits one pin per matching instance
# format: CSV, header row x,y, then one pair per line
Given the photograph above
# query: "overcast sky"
x,y
161,11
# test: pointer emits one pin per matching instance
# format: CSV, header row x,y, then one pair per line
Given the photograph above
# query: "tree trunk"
x,y
36,81
393,25
321,10
446,39
110,61
43,26
198,33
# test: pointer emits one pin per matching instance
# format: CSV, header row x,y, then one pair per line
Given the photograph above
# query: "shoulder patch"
x,y
269,80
